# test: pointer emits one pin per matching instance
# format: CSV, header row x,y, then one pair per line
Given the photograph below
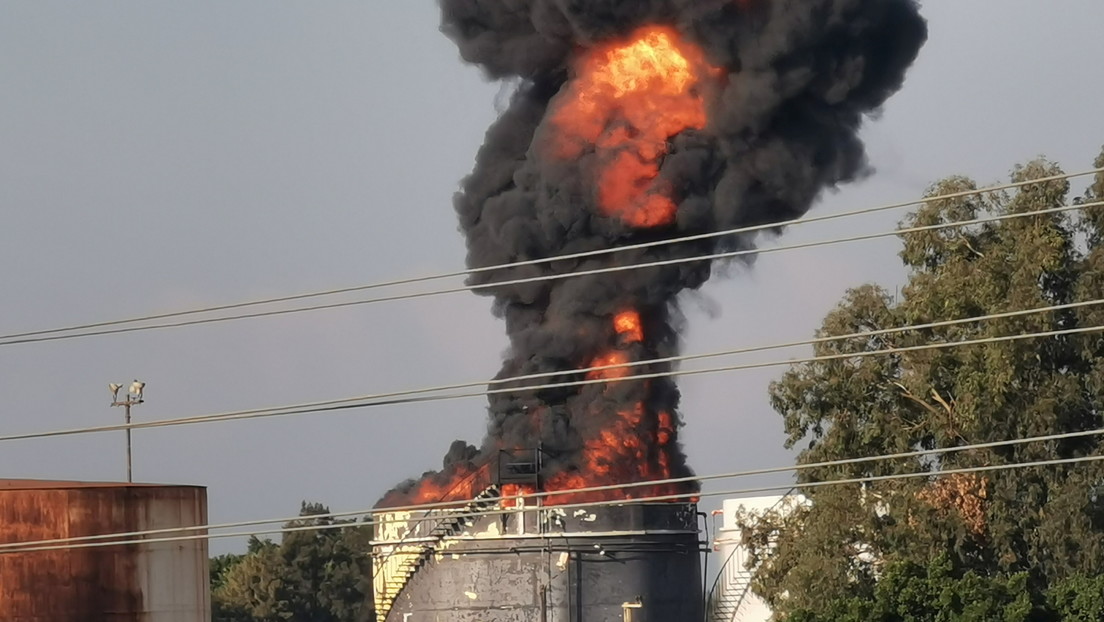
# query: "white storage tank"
x,y
731,597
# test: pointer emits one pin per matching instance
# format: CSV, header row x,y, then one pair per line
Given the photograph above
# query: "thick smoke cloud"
x,y
797,79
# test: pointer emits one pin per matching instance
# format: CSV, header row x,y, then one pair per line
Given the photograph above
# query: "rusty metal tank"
x,y
611,563
147,582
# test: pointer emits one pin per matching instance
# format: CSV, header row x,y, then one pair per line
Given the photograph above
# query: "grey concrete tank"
x,y
613,563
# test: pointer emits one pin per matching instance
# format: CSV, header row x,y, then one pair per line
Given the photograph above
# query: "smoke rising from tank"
x,y
634,121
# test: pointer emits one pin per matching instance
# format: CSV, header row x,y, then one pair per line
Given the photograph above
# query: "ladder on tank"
x,y
733,584
411,558
729,590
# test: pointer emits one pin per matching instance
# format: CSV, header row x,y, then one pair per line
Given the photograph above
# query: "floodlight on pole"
x,y
134,397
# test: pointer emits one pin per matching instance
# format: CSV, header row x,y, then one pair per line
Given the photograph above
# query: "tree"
x,y
934,593
1041,525
320,575
939,592
325,574
1079,599
220,568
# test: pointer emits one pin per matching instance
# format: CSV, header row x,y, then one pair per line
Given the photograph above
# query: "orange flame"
x,y
634,446
627,102
663,435
627,324
460,485
615,357
625,451
511,492
617,456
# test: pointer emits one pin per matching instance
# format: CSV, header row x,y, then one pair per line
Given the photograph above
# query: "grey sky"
x,y
160,156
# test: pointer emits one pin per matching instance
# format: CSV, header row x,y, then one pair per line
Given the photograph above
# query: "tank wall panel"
x,y
485,582
148,583
666,585
172,586
464,588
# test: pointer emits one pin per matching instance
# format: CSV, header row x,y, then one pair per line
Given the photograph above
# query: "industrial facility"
x,y
494,559
95,579
504,557
637,562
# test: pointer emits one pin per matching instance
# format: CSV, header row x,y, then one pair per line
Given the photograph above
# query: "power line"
x,y
591,489
581,255
396,398
29,547
565,275
689,357
390,399
53,334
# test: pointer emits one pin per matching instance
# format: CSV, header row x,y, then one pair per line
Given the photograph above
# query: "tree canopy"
x,y
999,534
320,575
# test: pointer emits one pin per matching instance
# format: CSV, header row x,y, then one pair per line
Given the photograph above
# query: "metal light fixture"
x,y
134,397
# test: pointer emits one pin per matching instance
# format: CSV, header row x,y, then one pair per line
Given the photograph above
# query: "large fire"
x,y
461,484
632,448
634,122
626,103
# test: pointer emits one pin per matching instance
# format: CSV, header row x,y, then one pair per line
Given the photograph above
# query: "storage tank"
x,y
149,582
611,563
730,597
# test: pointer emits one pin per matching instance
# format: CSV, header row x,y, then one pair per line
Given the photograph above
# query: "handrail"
x,y
421,522
728,574
423,526
720,576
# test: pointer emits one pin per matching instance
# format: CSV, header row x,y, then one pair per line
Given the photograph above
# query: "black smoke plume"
x,y
798,78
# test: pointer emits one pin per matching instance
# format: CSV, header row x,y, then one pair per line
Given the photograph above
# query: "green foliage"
x,y
1040,527
938,592
1078,599
221,565
909,592
320,575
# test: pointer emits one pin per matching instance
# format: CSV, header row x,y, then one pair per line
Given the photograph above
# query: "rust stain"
x,y
34,484
103,583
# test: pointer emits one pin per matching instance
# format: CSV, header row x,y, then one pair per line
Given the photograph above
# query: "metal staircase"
x,y
733,584
430,529
730,589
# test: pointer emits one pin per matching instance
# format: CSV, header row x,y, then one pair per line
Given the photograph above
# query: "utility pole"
x,y
133,398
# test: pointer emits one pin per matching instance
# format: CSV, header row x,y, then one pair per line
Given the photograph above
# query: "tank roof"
x,y
36,484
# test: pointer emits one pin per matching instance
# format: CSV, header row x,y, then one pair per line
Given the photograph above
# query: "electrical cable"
x,y
559,276
46,335
1011,314
570,256
592,489
392,399
30,547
